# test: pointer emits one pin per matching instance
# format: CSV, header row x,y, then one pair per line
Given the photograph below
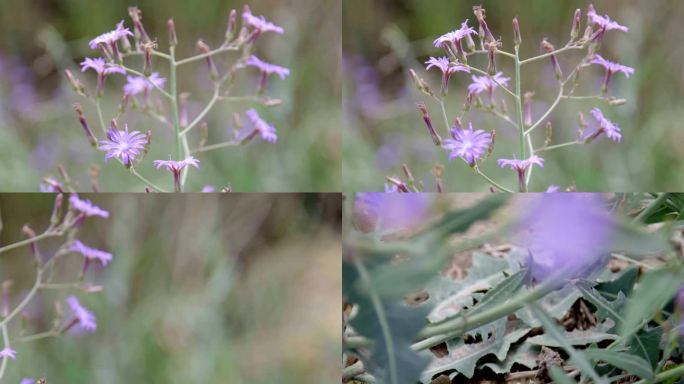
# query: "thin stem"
x,y
100,117
502,116
593,97
652,207
140,53
556,146
5,340
633,261
530,147
476,70
38,336
28,241
518,102
174,100
545,55
492,182
444,115
24,303
146,181
207,108
216,146
160,89
205,55
498,51
548,111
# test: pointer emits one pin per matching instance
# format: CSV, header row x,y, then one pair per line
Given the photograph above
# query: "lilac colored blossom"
x,y
27,380
259,22
86,207
208,189
456,36
51,185
391,188
91,253
486,83
611,66
447,67
467,144
606,126
85,318
111,37
8,353
140,84
568,235
268,68
101,67
552,188
604,22
177,166
123,145
391,211
521,165
259,126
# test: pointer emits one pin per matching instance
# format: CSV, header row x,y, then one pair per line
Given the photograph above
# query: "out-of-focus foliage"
x,y
39,130
382,40
201,288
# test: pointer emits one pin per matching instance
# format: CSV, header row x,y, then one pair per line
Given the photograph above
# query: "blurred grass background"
x,y
227,288
383,39
39,130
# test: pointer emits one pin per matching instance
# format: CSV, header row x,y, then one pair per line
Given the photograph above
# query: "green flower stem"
x,y
518,102
207,108
226,48
5,340
146,181
444,116
490,180
556,146
44,235
100,117
548,111
216,146
548,54
174,101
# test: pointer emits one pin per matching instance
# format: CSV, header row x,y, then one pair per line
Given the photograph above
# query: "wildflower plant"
x,y
558,287
129,53
492,90
16,326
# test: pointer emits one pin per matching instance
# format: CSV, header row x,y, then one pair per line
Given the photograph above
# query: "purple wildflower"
x,y
552,188
468,144
268,68
390,211
110,38
86,207
456,36
27,380
8,353
101,67
447,67
51,185
521,167
486,83
611,68
391,188
123,145
84,317
567,235
259,23
603,22
260,127
91,253
176,167
606,126
139,84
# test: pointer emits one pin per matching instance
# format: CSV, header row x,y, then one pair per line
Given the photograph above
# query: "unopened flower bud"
x,y
549,48
84,124
438,171
574,31
204,48
517,38
204,134
139,33
76,84
548,129
527,97
480,15
232,25
428,122
57,209
615,101
491,64
173,38
401,186
147,63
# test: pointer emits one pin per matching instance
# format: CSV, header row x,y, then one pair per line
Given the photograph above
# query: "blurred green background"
x,y
383,39
228,288
39,129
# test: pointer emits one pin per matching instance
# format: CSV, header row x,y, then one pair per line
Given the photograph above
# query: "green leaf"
x,y
634,242
459,221
556,304
656,288
523,354
647,344
624,282
558,375
605,308
635,365
576,337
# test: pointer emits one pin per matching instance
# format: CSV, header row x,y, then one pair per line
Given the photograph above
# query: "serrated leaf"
x,y
556,304
635,365
605,308
647,345
655,289
523,354
464,357
576,337
558,375
624,282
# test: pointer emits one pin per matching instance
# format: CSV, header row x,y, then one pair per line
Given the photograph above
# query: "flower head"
x,y
101,67
85,318
455,36
123,145
606,126
468,144
486,83
611,66
86,207
177,166
259,126
91,253
604,22
267,68
259,22
139,84
447,67
567,235
111,37
8,353
390,211
521,165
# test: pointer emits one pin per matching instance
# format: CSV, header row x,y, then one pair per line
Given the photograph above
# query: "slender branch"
x,y
556,146
24,303
518,102
174,101
216,146
492,182
476,70
207,108
30,240
146,181
100,117
548,111
530,147
140,74
6,344
444,116
205,55
39,336
140,53
502,116
545,55
498,51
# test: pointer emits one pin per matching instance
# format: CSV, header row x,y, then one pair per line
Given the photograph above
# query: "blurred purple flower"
x,y
85,318
27,380
468,144
485,83
259,22
568,235
111,37
552,188
611,68
8,353
208,189
86,207
102,68
139,84
51,185
176,167
604,22
91,253
606,126
260,127
390,211
267,68
123,145
456,36
521,165
447,67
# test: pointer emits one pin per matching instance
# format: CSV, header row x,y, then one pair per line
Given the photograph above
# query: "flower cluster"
x,y
145,91
489,92
65,222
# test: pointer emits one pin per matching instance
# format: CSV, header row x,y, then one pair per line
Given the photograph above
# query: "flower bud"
x,y
420,84
57,209
527,97
147,64
614,101
139,34
84,124
574,31
491,64
480,15
232,25
438,171
548,130
204,48
173,38
517,39
428,122
549,48
76,84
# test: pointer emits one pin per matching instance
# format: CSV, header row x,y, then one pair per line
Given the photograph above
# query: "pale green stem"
x,y
6,344
548,111
528,176
154,53
174,101
146,181
216,146
518,103
444,116
27,299
548,54
100,117
492,182
556,146
29,240
207,108
662,376
205,55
